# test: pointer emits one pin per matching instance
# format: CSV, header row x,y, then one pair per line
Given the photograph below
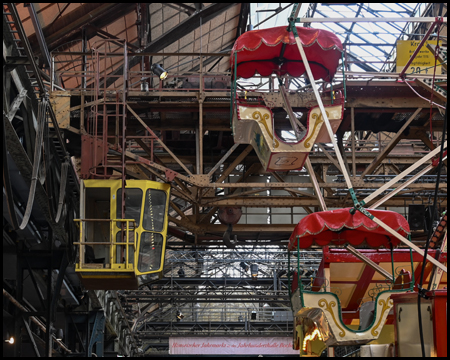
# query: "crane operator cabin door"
x,y
134,242
146,202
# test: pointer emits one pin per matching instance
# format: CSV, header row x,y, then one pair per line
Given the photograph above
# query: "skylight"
x,y
370,46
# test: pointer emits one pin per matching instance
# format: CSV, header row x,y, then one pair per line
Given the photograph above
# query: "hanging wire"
x,y
424,98
421,291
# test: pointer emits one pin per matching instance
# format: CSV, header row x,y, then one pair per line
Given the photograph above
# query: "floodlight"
x,y
158,70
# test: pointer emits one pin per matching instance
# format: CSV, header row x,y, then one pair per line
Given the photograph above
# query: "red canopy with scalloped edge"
x,y
274,50
338,227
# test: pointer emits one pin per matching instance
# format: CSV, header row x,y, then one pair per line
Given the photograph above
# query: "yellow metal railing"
x,y
130,226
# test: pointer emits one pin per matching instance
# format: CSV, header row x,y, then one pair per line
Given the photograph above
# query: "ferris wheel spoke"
x,y
324,114
402,239
402,174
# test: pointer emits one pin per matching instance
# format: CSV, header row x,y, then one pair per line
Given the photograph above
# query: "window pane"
x,y
154,210
133,204
150,252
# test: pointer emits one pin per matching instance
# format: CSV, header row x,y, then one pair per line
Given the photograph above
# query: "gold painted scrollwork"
x,y
386,306
329,308
263,120
318,121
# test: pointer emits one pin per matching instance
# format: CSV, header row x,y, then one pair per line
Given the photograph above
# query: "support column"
x,y
200,138
200,122
352,114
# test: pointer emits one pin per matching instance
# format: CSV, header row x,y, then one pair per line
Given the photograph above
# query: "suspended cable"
x,y
424,98
421,291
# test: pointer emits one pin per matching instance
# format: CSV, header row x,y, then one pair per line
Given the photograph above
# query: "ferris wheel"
x,y
295,51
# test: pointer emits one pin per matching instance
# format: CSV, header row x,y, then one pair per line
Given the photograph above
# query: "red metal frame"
x,y
95,162
440,321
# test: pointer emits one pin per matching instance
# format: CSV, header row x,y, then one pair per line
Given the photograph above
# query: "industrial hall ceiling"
x,y
183,38
147,91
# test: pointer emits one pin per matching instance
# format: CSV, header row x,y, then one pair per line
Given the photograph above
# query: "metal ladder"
x,y
19,46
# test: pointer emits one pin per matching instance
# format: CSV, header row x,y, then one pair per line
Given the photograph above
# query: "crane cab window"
x,y
151,244
150,252
133,205
154,210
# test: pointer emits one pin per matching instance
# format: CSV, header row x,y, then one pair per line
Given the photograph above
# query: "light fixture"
x,y
254,271
158,70
9,339
144,85
180,316
181,272
59,334
244,266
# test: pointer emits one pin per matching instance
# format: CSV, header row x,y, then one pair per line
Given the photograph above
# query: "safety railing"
x,y
146,82
128,226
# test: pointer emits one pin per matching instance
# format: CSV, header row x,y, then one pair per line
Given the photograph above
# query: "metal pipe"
x,y
369,20
200,121
370,263
229,152
30,335
402,175
402,186
315,183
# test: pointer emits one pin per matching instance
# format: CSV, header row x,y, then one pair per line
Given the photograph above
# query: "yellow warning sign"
x,y
423,63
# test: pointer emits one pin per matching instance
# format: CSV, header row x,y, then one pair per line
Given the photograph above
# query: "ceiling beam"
x,y
39,34
176,33
182,7
106,35
243,19
68,27
289,201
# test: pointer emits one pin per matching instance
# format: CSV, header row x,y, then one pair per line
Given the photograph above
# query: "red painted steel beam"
x,y
362,285
440,327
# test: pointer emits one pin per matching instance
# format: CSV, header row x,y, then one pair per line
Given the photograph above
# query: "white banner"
x,y
231,346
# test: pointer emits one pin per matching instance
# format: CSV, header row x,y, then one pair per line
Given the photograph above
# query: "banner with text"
x,y
231,346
